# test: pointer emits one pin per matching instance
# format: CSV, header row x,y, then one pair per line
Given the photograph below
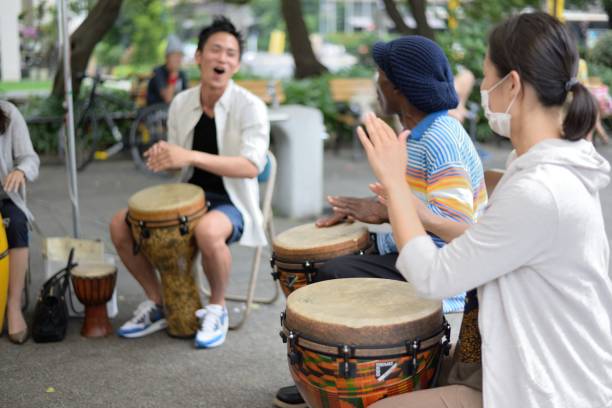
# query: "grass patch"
x,y
25,85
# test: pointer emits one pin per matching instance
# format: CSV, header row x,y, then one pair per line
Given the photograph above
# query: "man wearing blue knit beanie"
x,y
418,69
444,171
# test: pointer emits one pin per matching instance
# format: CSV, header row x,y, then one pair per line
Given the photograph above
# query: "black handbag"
x,y
50,320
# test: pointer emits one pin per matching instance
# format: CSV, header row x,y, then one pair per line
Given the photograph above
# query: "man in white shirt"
x,y
218,136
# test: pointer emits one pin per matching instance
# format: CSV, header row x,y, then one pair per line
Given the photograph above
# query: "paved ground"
x,y
157,371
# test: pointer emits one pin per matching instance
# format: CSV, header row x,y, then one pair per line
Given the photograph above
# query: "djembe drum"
x,y
93,285
351,342
300,251
162,220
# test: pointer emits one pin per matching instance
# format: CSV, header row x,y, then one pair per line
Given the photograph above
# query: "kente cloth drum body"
x,y
93,285
300,251
4,271
162,220
352,342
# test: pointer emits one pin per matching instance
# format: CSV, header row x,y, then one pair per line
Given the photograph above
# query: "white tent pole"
x,y
62,19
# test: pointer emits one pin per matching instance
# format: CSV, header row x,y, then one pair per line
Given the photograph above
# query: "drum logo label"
x,y
383,369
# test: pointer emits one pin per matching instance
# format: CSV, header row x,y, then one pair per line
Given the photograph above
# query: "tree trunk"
x,y
83,41
608,8
396,17
418,12
306,63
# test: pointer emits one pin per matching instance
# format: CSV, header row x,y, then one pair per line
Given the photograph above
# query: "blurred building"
x,y
369,15
10,59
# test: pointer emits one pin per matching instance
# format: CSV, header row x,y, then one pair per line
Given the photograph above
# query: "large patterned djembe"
x,y
352,342
162,220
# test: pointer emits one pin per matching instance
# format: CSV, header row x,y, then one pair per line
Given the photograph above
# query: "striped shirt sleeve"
x,y
448,190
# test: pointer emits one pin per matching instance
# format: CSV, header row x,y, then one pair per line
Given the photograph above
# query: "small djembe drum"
x,y
93,285
300,251
162,220
351,342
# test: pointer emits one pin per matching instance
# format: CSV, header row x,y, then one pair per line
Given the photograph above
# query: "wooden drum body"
x,y
162,220
300,251
94,284
352,342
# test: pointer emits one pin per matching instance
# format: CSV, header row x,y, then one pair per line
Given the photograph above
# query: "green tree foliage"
x,y
603,72
141,29
602,52
493,11
152,24
269,18
467,45
313,92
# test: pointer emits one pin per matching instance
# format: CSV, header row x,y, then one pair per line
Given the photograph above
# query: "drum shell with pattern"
x,y
162,220
343,355
94,284
300,251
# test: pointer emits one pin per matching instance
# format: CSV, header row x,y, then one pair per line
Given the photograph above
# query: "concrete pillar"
x,y
10,69
299,152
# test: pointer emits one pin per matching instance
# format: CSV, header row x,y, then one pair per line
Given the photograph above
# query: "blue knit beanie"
x,y
418,67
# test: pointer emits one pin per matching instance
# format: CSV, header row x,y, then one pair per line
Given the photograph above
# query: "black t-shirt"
x,y
159,81
205,140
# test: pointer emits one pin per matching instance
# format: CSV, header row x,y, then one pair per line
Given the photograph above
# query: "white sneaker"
x,y
148,318
214,326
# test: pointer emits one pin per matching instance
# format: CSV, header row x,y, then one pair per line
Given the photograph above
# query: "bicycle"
x,y
148,127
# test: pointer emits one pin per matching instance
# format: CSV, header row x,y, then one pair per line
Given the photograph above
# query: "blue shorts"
x,y
221,202
17,233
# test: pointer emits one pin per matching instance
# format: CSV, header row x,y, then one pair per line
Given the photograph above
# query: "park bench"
x,y
265,89
270,91
353,96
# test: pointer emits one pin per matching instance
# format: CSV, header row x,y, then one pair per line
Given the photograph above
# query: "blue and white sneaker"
x,y
214,326
148,318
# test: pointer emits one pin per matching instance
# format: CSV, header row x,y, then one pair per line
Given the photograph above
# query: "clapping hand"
x,y
166,156
354,209
386,151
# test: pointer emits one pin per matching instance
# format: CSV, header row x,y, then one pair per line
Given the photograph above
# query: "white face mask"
x,y
498,121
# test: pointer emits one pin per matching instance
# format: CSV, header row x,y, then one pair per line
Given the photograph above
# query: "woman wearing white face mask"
x,y
539,255
499,122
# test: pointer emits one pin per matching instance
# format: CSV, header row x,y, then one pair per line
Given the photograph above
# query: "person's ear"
x,y
515,83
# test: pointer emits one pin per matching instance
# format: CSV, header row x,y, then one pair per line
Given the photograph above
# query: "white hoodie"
x,y
539,257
